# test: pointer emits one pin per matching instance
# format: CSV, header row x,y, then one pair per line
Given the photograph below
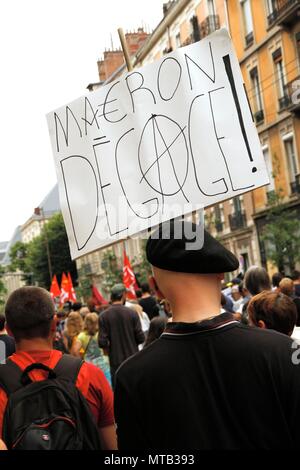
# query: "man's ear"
x,y
9,332
53,324
261,324
220,276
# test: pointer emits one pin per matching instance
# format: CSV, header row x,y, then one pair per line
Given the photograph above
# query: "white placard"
x,y
159,142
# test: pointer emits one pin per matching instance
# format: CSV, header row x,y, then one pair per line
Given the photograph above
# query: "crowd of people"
x,y
209,366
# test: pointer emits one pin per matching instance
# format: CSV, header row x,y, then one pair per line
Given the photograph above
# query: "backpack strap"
x,y
68,367
10,377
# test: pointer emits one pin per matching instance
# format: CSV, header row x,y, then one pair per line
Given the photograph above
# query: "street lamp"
x,y
40,212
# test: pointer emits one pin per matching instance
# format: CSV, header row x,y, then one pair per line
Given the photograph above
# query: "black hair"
x,y
2,321
29,312
116,296
276,278
76,306
295,275
156,328
138,293
145,288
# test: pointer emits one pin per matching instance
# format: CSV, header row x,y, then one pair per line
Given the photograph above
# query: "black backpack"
x,y
50,414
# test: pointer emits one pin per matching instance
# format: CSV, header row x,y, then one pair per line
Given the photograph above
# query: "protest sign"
x,y
159,142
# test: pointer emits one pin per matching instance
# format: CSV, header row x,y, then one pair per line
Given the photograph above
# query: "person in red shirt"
x,y
31,319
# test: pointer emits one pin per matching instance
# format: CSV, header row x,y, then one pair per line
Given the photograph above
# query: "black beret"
x,y
172,254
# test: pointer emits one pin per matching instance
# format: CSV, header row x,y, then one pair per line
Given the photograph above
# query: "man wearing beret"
x,y
208,382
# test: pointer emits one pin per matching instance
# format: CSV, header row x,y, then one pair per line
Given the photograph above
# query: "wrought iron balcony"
x,y
295,186
292,89
237,221
209,25
259,116
249,39
219,226
285,13
284,102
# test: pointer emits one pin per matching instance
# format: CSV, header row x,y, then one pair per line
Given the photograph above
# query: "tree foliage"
x,y
112,270
31,258
2,286
281,233
142,266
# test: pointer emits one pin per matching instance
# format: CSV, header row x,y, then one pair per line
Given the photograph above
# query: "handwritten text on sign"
x,y
158,142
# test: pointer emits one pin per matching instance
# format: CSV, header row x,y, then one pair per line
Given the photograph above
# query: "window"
x,y
291,157
218,213
177,40
244,262
237,205
194,28
268,161
248,23
272,6
297,38
279,70
211,7
256,96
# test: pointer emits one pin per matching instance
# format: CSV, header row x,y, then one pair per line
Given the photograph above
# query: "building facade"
x,y
266,36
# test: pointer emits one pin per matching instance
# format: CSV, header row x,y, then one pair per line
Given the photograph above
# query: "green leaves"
x,y
281,233
31,258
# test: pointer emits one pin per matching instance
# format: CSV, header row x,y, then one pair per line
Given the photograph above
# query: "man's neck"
x,y
3,332
198,306
117,302
145,295
186,315
36,344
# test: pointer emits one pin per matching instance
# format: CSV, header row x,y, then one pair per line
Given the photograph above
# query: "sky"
x,y
49,53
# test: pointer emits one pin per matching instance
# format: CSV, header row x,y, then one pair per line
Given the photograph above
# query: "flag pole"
x,y
125,49
129,68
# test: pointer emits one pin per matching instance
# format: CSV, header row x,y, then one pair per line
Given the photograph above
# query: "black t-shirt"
x,y
150,306
120,332
216,384
10,347
297,290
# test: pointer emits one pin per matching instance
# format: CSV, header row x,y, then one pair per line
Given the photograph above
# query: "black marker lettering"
x,y
66,129
139,88
188,59
168,71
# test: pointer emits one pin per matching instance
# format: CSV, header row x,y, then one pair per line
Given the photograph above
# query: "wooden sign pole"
x,y
130,68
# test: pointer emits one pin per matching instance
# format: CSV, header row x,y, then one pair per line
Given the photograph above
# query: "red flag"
x,y
65,289
98,298
129,280
72,293
54,289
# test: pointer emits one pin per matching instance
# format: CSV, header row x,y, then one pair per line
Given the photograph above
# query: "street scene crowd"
x,y
151,342
156,374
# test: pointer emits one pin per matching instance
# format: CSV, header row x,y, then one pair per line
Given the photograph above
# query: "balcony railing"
x,y
284,102
292,90
295,188
237,221
209,25
249,39
219,226
284,13
259,116
295,185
